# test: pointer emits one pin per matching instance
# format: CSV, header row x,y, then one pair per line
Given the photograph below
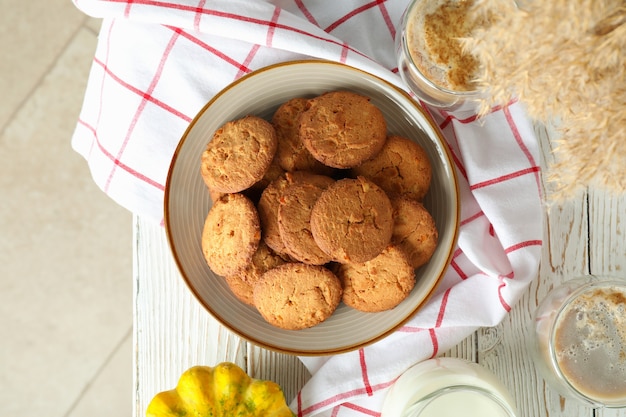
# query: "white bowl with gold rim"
x,y
187,203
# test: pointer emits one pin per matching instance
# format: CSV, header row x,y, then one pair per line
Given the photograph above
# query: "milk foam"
x,y
590,343
433,30
417,44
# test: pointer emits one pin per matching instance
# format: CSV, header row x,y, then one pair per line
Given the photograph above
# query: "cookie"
x,y
215,195
291,154
401,168
274,171
269,202
254,192
242,284
352,220
414,230
231,234
294,221
296,296
238,155
268,213
342,129
379,284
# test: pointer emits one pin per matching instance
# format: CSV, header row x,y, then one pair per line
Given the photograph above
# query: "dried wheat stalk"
x,y
565,59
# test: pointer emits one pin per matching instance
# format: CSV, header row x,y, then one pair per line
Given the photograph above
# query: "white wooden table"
x,y
172,332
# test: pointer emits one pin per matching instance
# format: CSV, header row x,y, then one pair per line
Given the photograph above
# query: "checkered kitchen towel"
x,y
158,62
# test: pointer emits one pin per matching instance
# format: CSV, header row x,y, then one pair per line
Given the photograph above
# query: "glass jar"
x,y
429,55
448,386
578,340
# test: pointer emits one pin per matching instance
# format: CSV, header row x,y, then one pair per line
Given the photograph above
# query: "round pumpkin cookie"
x,y
269,202
242,284
238,155
401,167
231,234
379,284
291,154
352,220
296,296
414,230
294,221
342,129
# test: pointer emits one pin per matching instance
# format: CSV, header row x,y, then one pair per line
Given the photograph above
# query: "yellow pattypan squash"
x,y
220,391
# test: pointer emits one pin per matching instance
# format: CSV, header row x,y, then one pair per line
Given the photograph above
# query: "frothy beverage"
x,y
433,32
590,343
579,340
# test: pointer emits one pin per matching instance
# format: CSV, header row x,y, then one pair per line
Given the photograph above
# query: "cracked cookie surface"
x,y
242,283
269,203
296,296
238,155
231,234
352,220
342,129
401,168
414,230
294,221
291,154
379,284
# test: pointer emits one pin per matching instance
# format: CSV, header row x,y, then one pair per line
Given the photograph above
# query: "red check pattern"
x,y
158,62
496,258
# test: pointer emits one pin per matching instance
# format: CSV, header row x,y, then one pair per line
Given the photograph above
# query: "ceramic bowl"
x,y
187,203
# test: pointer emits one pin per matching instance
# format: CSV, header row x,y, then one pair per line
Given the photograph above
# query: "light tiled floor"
x,y
65,247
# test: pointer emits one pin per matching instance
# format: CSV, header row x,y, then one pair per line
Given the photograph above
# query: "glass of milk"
x,y
579,340
448,387
430,58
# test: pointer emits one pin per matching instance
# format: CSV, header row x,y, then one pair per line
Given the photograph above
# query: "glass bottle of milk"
x,y
448,387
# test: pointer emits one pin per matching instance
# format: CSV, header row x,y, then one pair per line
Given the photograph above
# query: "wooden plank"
x,y
607,234
172,331
286,370
466,349
586,234
607,243
504,348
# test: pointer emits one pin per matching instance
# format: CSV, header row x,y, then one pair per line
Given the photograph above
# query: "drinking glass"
x,y
578,340
448,387
419,70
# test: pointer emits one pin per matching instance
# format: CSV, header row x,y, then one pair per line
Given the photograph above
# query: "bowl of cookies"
x,y
312,208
